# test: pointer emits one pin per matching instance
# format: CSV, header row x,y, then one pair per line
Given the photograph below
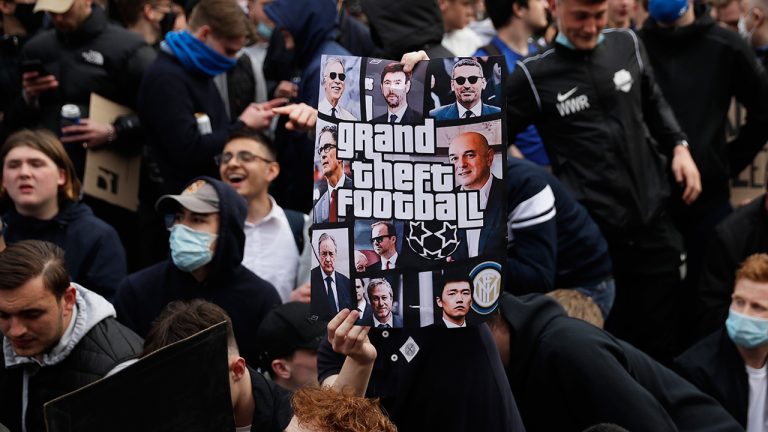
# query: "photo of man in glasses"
x,y
326,209
333,81
384,241
468,83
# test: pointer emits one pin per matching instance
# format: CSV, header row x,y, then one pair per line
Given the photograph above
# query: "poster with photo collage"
x,y
409,201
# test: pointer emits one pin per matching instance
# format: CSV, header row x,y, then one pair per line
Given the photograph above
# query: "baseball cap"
x,y
285,329
55,6
198,197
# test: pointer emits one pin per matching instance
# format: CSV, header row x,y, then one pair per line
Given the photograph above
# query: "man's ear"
x,y
147,11
69,298
202,33
439,302
281,368
237,368
517,10
273,171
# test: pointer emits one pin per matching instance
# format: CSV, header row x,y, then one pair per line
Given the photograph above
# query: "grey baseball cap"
x,y
199,197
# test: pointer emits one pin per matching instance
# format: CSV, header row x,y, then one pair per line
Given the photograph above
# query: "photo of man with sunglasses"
x,y
333,86
384,241
468,83
326,209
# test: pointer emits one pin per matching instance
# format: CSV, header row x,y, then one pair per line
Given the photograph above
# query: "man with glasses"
x,y
326,209
384,240
333,86
331,290
274,237
468,83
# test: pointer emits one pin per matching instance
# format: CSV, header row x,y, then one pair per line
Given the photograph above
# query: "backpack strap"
x,y
296,222
491,49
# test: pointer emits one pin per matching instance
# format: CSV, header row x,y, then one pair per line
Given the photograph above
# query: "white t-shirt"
x,y
756,413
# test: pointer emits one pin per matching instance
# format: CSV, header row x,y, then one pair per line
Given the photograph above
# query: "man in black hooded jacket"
x,y
567,375
207,241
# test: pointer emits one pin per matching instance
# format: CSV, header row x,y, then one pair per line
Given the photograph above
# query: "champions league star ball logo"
x,y
435,240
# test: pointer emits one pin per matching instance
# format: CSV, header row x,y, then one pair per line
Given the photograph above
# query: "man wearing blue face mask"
x,y
730,364
207,242
178,102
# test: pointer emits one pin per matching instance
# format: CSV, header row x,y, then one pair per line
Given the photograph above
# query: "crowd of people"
x,y
621,148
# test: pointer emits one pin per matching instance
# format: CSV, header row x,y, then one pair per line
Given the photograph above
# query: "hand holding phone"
x,y
35,80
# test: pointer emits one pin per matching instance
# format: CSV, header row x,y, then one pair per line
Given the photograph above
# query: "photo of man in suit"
x,y
334,75
472,158
365,308
455,300
381,295
467,83
384,240
395,85
331,291
326,209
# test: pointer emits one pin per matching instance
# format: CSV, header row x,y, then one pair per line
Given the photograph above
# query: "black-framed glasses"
x,y
342,76
472,79
242,156
325,149
379,239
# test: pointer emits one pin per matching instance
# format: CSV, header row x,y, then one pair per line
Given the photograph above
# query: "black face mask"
x,y
166,24
28,18
279,63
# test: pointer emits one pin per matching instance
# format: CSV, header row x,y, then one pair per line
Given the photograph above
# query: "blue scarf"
x,y
195,55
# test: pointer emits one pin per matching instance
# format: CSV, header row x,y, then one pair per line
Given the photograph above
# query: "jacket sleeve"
x,y
106,265
523,106
532,230
715,285
751,90
657,113
168,114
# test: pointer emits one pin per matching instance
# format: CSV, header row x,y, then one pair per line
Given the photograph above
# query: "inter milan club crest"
x,y
486,279
433,240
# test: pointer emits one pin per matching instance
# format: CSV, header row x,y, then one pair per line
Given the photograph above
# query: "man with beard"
x,y
468,82
395,85
381,295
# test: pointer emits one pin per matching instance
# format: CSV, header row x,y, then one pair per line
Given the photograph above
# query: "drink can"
x,y
70,115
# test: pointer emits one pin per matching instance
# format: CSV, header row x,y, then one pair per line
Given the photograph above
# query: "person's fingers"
x,y
410,59
274,103
333,325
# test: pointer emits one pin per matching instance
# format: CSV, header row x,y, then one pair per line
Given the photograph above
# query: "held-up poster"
x,y
409,214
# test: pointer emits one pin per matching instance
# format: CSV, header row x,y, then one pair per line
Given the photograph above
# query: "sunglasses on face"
x,y
379,239
325,149
472,79
342,76
242,156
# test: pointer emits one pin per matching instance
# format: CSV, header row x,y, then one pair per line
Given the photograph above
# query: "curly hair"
x,y
328,410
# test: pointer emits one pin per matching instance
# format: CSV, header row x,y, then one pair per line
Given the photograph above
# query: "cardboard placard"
x,y
111,176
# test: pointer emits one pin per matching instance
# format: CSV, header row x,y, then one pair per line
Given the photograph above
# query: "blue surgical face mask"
x,y
190,249
667,11
264,30
746,331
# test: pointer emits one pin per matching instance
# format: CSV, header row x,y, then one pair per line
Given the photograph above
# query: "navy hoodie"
x,y
94,256
244,296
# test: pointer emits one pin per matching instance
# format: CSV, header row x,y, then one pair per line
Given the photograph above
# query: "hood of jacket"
x,y
401,26
90,309
528,317
310,22
652,31
69,211
230,242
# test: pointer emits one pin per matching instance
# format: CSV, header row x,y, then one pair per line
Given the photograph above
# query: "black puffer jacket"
x,y
101,343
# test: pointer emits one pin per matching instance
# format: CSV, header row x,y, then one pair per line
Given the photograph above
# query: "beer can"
x,y
70,115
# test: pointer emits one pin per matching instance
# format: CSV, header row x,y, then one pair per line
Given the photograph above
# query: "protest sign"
x,y
181,387
409,203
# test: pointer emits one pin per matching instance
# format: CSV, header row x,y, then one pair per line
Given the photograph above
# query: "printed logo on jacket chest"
x,y
93,57
568,103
